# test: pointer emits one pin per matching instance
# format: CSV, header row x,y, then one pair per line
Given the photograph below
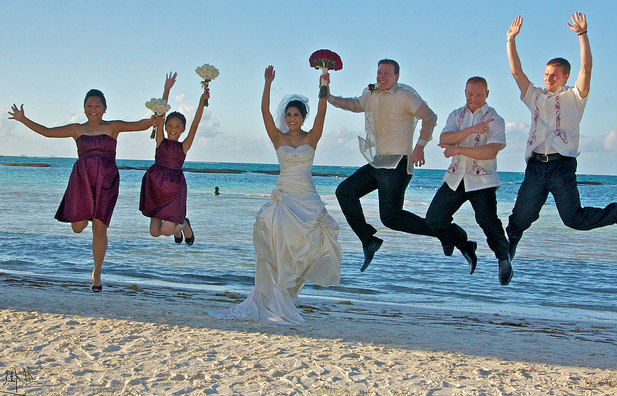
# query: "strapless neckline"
x,y
100,134
295,148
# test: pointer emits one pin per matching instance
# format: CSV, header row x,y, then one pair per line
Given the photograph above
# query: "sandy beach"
x,y
60,339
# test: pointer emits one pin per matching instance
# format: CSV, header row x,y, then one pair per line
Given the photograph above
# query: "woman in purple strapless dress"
x,y
93,185
163,188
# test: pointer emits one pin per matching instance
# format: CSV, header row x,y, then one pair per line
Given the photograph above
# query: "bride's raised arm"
x,y
315,133
273,132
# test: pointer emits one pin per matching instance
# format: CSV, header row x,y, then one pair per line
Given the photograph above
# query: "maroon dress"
x,y
93,186
163,188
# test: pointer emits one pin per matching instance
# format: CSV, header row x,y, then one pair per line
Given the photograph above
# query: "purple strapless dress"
x,y
163,188
93,186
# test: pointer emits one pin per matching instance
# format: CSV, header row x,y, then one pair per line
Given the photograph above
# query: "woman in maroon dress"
x,y
163,188
93,185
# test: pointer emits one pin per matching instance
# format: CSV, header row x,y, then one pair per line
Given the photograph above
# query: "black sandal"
x,y
97,289
189,241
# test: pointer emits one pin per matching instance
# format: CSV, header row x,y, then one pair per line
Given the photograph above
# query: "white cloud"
x,y
604,143
516,136
339,147
208,126
183,106
610,141
230,148
71,118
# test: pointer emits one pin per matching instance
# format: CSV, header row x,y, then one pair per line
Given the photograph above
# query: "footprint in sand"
x,y
112,348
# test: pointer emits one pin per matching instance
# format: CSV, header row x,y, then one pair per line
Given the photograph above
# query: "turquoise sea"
x,y
559,272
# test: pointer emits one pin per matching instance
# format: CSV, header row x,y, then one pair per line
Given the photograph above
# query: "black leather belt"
x,y
546,157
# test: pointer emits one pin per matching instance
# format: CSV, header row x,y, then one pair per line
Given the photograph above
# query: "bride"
x,y
294,237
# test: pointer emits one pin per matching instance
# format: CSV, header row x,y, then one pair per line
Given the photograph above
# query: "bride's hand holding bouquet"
x,y
325,60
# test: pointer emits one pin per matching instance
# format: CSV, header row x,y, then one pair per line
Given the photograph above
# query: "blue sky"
x,y
53,52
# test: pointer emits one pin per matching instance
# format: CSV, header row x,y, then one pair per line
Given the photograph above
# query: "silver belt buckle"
x,y
542,157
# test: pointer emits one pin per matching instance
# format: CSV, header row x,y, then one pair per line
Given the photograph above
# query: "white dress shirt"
x,y
476,174
555,120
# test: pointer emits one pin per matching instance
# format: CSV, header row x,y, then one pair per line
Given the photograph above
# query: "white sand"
x,y
161,342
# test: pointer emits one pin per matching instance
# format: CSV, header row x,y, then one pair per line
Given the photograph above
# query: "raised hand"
x,y
579,23
269,74
515,27
154,119
324,78
205,94
170,80
17,114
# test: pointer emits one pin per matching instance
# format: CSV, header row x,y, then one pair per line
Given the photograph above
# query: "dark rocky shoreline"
x,y
234,171
231,171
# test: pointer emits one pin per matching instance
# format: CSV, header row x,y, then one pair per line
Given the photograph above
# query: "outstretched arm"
x,y
70,130
579,26
188,142
355,105
132,126
515,63
315,133
273,132
170,80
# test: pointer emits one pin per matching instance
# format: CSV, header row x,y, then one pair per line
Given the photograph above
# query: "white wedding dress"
x,y
295,242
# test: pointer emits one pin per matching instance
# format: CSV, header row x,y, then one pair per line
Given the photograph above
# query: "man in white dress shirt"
x,y
391,110
473,136
552,146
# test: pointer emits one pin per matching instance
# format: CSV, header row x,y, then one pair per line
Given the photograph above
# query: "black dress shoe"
x,y
190,240
369,251
505,272
513,243
448,249
469,252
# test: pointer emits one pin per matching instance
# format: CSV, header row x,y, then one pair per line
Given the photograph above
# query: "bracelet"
x,y
323,92
511,40
581,33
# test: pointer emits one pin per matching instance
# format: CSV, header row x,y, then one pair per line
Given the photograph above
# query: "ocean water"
x,y
559,272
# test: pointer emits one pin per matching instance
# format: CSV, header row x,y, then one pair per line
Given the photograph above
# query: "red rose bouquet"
x,y
325,60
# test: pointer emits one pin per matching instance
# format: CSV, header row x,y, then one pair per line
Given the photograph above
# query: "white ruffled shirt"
x,y
476,174
555,120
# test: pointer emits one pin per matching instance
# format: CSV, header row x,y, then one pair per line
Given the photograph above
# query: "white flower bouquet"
x,y
158,107
208,73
